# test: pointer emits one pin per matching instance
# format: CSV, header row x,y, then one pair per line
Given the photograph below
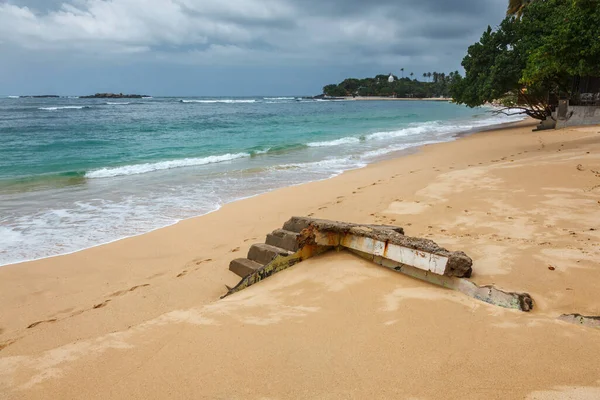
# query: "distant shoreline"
x,y
378,98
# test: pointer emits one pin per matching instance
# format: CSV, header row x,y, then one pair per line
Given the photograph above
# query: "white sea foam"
x,y
137,169
333,165
373,154
226,101
336,142
63,108
109,103
13,97
417,129
279,98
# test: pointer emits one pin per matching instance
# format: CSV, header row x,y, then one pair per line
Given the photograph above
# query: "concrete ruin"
x,y
385,245
578,319
567,115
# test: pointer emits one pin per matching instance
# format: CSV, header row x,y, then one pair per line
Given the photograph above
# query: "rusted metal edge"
x,y
488,293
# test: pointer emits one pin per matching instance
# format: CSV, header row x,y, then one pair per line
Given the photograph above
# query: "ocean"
x,y
76,173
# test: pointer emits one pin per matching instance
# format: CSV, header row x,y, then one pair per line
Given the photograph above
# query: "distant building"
x,y
391,78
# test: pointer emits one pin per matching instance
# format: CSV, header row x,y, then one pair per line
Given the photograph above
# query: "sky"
x,y
229,47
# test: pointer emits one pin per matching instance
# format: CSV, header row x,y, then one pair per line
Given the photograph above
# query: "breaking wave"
x,y
336,142
226,101
137,169
64,108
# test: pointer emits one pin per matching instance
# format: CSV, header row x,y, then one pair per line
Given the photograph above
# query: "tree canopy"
x,y
527,61
439,86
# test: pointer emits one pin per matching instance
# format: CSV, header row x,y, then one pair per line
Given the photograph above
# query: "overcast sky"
x,y
228,47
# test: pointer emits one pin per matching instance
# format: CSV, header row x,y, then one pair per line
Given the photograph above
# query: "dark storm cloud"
x,y
421,35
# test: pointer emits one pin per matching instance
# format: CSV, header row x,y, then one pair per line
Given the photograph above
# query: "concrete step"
x,y
296,224
264,253
243,267
284,239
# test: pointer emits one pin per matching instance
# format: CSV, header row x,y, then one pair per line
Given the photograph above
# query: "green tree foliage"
x,y
566,35
529,60
400,87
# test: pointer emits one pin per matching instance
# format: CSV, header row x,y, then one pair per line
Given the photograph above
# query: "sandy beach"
x,y
373,98
141,318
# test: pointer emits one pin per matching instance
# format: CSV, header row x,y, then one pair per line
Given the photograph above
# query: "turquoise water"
x,y
75,173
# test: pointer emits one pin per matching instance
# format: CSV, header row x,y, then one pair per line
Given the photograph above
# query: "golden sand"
x,y
141,318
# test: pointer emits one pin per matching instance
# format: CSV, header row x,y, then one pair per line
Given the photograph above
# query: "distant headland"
x,y
435,85
114,96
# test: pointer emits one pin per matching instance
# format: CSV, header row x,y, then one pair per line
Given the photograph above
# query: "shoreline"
x,y
385,157
381,98
514,200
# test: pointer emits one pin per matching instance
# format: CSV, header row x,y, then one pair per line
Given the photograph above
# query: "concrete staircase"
x,y
280,242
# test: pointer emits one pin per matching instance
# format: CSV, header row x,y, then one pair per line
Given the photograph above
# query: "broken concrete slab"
x,y
589,321
389,242
385,245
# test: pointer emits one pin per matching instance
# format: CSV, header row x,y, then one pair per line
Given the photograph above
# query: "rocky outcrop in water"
x,y
113,96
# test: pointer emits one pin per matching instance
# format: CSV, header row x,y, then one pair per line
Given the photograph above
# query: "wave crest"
x,y
226,101
336,142
137,169
64,108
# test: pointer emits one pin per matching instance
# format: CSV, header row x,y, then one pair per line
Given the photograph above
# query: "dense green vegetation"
x,y
438,85
533,57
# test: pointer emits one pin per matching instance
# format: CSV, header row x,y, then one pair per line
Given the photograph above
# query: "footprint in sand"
x,y
131,289
4,345
182,273
49,321
234,250
322,208
100,305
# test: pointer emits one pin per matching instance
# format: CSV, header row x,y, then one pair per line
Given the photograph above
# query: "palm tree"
x,y
425,75
516,7
402,70
429,76
411,75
